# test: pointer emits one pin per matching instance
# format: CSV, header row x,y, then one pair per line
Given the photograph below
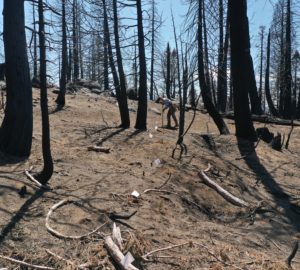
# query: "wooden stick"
x,y
224,193
116,254
60,235
162,249
59,257
31,178
26,264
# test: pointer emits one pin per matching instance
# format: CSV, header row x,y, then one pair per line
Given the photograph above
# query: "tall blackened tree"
x,y
122,104
287,96
75,40
47,171
168,71
271,106
16,129
141,119
203,79
240,57
123,96
60,100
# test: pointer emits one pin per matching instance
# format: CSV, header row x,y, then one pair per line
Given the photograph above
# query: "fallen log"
x,y
99,149
266,120
224,193
116,254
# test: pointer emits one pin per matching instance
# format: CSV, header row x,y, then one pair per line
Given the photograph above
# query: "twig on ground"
x,y
59,257
26,264
224,193
166,182
145,257
31,178
60,235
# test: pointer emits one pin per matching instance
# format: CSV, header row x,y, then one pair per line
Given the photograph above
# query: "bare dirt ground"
x,y
216,234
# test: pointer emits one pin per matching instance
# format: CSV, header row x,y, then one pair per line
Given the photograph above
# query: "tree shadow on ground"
x,y
20,214
281,198
110,135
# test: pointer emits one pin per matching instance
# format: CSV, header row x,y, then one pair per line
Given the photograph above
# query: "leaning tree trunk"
x,y
35,59
123,96
240,57
271,106
47,171
60,100
141,119
211,109
16,129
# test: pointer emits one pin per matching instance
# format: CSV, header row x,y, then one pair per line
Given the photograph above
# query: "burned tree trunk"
x,y
202,79
47,171
271,106
60,100
241,77
16,129
141,119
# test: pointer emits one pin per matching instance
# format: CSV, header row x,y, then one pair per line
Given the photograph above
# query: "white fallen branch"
x,y
223,192
60,235
116,254
32,179
26,264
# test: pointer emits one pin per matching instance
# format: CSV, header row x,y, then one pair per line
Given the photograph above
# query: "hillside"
x,y
214,233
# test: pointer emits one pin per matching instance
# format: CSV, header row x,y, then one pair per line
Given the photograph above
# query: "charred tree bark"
x,y
141,119
202,79
75,41
122,109
168,71
35,59
60,100
47,171
271,106
151,95
16,129
105,63
287,104
240,57
122,96
222,54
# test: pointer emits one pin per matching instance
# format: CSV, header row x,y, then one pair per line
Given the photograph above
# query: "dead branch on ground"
x,y
116,254
224,193
34,266
60,235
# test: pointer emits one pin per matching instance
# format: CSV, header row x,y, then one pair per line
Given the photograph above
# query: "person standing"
x,y
172,108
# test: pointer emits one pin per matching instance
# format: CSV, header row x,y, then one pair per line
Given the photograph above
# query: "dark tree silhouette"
x,y
16,129
141,119
287,94
211,109
168,71
47,171
271,106
124,114
241,77
122,95
60,100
